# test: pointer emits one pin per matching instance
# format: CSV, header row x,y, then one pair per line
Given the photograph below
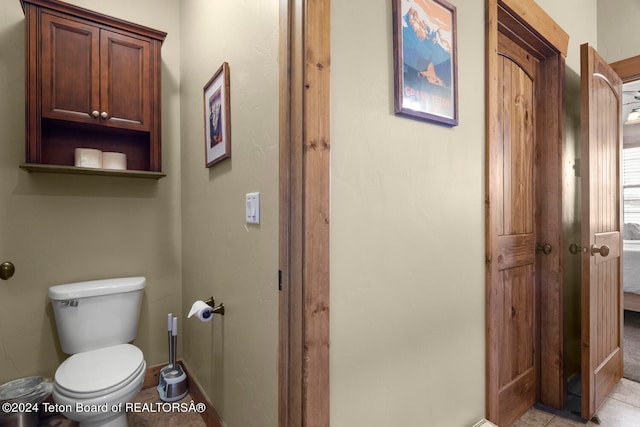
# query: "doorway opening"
x,y
631,235
629,71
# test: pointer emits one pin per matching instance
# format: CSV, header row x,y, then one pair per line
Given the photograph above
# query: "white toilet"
x,y
96,320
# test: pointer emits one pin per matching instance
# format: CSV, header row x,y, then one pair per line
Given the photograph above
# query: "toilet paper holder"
x,y
215,309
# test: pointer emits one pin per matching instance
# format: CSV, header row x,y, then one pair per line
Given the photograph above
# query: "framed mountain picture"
x,y
425,60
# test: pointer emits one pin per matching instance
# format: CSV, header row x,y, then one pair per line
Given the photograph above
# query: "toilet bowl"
x,y
94,387
96,321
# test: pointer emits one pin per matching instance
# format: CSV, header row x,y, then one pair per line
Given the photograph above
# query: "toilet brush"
x,y
174,343
169,367
170,340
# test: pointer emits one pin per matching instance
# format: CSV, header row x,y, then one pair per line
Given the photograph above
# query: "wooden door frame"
x,y
524,22
628,69
304,156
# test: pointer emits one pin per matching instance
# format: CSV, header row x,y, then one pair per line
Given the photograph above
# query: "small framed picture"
x,y
217,118
425,60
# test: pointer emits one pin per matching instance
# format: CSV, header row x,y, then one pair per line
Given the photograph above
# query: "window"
x,y
631,192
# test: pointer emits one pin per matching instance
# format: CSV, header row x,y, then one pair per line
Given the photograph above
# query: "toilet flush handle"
x,y
69,303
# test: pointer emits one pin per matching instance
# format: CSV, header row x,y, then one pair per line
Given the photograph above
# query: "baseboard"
x,y
210,415
152,377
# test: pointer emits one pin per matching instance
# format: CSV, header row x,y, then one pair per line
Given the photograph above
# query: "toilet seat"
x,y
98,372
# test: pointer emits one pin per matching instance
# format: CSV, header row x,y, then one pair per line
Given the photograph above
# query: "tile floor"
x,y
621,409
150,415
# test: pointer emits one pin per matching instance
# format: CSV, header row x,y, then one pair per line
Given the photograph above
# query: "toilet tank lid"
x,y
94,288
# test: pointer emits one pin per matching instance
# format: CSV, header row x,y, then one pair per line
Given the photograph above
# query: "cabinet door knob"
x,y
104,115
7,270
95,113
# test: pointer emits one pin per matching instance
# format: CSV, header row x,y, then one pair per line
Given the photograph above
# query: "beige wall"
x,y
407,236
59,229
235,357
618,32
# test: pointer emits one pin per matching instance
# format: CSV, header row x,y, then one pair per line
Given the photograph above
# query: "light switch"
x,y
253,208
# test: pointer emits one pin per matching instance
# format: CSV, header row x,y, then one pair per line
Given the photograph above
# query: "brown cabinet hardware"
x,y
7,270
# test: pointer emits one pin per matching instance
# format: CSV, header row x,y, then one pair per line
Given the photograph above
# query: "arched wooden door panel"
x,y
515,232
601,219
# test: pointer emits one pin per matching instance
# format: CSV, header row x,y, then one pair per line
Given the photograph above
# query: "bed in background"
x,y
631,274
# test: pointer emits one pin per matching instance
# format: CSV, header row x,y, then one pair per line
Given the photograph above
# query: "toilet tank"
x,y
97,313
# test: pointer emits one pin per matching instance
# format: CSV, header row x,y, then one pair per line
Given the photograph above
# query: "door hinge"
x,y
279,280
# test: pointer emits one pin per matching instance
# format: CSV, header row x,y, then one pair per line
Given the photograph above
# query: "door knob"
x,y
7,269
104,115
602,250
545,249
95,113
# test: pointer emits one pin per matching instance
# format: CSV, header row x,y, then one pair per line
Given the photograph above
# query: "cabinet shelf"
x,y
72,170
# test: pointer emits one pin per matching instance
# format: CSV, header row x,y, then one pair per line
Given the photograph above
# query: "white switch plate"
x,y
253,208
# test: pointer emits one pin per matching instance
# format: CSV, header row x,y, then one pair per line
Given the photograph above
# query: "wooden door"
x,y
125,79
70,69
524,140
514,302
601,219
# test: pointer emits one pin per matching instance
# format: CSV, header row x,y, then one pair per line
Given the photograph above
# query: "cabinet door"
x,y
125,81
70,69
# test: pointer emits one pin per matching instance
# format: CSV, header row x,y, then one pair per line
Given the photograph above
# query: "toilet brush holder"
x,y
174,384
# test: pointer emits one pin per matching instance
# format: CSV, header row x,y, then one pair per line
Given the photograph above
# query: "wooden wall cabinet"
x,y
92,81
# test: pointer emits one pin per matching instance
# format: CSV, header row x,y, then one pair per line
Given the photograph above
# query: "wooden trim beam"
x,y
491,216
539,22
316,198
304,213
290,250
628,69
